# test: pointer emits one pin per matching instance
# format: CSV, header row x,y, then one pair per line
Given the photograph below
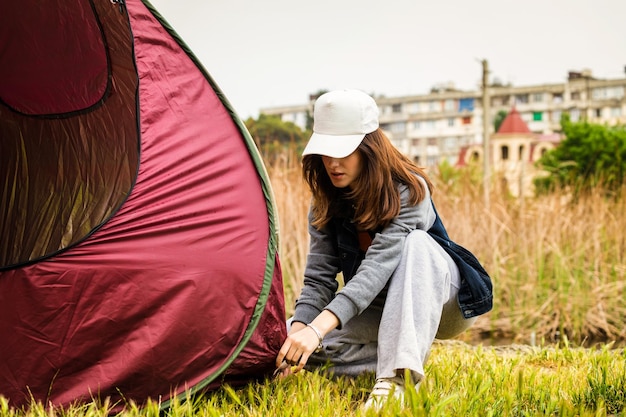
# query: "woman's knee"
x,y
419,237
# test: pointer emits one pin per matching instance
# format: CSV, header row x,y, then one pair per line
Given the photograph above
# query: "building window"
x,y
557,98
449,105
615,92
432,160
537,116
521,152
416,126
396,108
538,97
556,116
467,120
432,106
414,108
616,112
505,152
450,143
429,124
598,93
608,93
451,122
466,104
521,98
575,95
500,101
574,115
432,142
397,127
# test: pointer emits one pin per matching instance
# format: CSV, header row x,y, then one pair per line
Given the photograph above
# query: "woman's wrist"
x,y
319,335
296,326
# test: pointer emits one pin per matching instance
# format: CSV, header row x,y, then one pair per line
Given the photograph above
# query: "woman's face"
x,y
343,171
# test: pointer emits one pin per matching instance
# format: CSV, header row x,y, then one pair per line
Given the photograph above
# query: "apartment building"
x,y
435,127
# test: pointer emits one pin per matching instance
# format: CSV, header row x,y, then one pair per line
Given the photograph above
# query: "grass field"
x,y
552,345
462,380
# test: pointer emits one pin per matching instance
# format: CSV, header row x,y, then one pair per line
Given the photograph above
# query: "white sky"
x,y
266,53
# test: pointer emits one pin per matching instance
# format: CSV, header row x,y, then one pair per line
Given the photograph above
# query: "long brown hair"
x,y
374,195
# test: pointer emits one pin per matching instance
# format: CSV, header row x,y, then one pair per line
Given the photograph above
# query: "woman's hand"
x,y
299,345
302,341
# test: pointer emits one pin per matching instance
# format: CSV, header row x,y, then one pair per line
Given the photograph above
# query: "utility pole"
x,y
486,128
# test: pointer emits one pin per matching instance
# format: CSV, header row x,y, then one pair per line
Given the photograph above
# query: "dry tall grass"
x,y
559,268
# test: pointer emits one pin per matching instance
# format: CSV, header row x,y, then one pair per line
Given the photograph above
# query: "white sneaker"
x,y
384,389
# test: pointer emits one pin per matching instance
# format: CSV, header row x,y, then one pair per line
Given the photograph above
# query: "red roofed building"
x,y
514,150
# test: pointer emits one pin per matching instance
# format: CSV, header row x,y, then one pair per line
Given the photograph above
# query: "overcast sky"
x,y
266,53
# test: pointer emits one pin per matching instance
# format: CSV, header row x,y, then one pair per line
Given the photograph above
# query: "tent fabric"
x,y
139,235
64,174
47,80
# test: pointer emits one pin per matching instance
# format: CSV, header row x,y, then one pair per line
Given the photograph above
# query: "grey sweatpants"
x,y
419,305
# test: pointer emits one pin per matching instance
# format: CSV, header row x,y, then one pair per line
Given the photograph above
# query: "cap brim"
x,y
335,146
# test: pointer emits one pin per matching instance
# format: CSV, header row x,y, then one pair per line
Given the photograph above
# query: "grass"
x,y
462,380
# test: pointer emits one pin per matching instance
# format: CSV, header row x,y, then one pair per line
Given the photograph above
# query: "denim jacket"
x,y
476,292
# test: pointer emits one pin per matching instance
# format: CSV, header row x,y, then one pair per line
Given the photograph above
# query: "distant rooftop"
x,y
513,123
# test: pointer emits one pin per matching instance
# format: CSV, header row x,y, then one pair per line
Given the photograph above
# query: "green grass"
x,y
462,380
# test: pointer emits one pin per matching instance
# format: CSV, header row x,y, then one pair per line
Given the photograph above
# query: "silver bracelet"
x,y
319,336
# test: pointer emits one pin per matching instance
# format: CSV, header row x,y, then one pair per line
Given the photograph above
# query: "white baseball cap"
x,y
341,119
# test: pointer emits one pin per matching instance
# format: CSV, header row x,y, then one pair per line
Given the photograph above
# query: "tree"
x,y
271,134
590,155
497,121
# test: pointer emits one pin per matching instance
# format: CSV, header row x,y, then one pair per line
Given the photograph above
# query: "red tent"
x,y
138,242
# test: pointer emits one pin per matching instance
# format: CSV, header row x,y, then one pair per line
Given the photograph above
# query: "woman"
x,y
370,213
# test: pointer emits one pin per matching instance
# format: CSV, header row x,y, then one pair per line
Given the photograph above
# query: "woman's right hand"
x,y
299,345
302,341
